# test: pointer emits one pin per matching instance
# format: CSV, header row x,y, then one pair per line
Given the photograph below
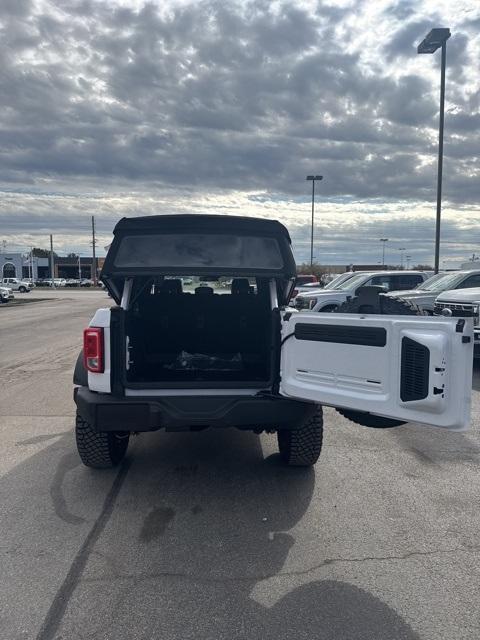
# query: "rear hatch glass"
x,y
190,251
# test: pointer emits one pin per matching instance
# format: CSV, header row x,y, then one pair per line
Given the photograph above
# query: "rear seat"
x,y
204,322
161,314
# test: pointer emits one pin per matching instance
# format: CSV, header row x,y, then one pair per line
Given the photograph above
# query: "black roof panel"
x,y
201,222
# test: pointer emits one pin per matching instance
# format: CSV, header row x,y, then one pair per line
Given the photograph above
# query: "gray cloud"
x,y
220,96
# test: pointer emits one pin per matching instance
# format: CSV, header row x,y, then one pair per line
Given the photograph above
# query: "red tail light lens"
x,y
93,349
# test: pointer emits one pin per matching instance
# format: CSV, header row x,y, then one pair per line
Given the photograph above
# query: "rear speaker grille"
x,y
415,371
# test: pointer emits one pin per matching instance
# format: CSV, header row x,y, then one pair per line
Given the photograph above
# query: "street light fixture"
x,y
401,249
434,40
383,241
313,178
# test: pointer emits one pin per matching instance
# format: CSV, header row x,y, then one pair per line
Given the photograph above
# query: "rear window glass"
x,y
198,250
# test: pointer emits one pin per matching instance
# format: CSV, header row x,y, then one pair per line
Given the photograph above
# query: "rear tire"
x,y
22,289
384,306
301,447
99,450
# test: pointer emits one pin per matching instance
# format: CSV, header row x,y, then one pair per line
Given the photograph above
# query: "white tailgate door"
x,y
410,368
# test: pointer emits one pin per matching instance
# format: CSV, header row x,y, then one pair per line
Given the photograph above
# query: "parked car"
x,y
331,299
162,358
462,303
332,284
30,282
425,295
6,294
86,282
304,279
16,285
60,282
72,282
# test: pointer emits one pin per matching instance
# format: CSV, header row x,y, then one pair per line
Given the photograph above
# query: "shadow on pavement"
x,y
195,545
432,446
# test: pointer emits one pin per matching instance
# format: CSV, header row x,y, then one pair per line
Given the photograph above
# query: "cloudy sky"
x,y
128,107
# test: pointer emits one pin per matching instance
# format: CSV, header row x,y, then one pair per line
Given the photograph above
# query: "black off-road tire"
x,y
385,306
22,289
301,447
99,450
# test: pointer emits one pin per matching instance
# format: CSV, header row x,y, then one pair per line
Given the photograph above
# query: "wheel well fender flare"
x,y
80,374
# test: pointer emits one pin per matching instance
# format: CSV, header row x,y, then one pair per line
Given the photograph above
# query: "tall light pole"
x,y
408,261
383,241
434,40
52,272
313,178
401,249
94,259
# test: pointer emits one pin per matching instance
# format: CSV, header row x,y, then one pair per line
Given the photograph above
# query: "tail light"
x,y
93,349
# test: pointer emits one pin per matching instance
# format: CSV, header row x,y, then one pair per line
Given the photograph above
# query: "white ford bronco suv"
x,y
166,358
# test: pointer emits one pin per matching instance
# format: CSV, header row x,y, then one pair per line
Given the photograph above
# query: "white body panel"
x,y
101,381
368,378
460,295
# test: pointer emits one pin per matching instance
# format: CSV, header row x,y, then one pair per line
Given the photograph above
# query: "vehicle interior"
x,y
202,331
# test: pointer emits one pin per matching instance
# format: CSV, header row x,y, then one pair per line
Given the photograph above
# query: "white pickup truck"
x,y
16,285
331,299
424,295
462,303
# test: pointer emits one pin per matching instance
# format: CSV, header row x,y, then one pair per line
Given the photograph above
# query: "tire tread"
x,y
301,447
96,449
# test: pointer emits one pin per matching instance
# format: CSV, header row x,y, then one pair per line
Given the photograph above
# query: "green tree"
x,y
41,253
423,267
314,269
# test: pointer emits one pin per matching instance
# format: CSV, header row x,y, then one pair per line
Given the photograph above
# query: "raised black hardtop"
x,y
198,244
202,222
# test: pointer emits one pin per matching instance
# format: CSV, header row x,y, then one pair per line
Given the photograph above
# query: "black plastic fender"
x,y
80,374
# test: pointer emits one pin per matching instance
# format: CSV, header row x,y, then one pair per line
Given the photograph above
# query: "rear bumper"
x,y
107,413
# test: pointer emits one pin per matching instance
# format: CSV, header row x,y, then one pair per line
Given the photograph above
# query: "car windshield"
x,y
442,283
351,282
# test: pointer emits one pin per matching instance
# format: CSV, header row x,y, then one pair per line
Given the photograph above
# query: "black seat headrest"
x,y
241,285
171,286
204,291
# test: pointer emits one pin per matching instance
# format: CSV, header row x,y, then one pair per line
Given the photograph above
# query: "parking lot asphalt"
x,y
207,536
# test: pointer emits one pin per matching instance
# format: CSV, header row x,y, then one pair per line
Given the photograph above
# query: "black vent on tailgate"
x,y
415,370
367,336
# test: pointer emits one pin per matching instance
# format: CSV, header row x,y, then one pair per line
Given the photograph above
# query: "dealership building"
x,y
19,265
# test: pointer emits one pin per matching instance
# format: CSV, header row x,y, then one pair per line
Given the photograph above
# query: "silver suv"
x,y
424,296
